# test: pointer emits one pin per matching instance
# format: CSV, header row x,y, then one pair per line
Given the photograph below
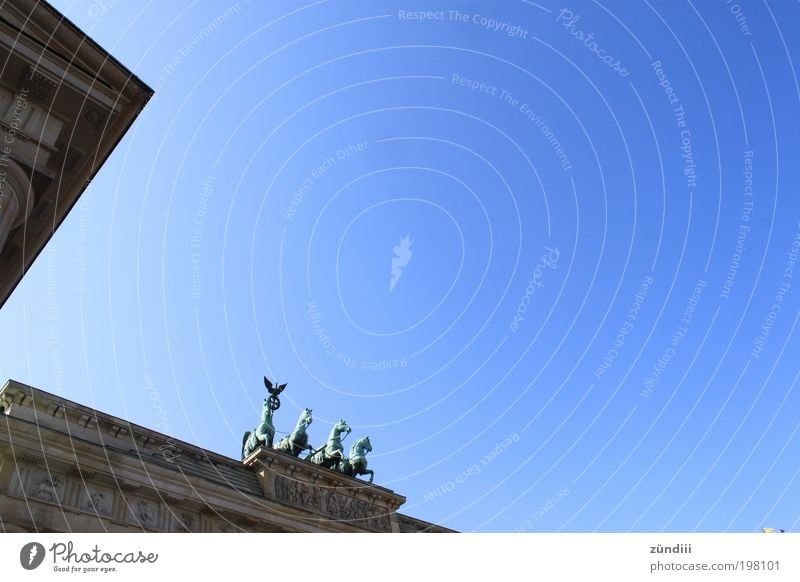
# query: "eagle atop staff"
x,y
274,392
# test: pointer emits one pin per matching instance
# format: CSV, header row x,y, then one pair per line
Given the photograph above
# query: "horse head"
x,y
341,426
361,447
305,418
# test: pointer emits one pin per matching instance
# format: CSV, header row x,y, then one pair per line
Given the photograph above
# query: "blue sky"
x,y
590,323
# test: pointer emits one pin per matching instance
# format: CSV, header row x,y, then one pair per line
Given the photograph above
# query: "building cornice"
x,y
45,434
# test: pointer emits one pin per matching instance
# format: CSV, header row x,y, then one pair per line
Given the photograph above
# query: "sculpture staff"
x,y
274,393
264,433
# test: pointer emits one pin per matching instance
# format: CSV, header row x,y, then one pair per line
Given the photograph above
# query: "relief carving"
x,y
99,502
47,487
144,512
329,502
186,522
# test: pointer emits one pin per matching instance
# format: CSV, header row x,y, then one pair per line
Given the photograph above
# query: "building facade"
x,y
65,467
65,103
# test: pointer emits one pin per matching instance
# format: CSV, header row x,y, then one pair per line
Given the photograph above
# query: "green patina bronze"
x,y
356,464
264,433
297,442
331,453
261,434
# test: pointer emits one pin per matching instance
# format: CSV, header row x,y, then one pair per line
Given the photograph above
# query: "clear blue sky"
x,y
592,324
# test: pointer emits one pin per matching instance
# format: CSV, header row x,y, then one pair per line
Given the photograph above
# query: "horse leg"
x,y
371,474
330,462
299,445
265,436
246,438
270,438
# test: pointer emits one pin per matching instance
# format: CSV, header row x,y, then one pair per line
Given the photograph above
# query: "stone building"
x,y
67,467
65,103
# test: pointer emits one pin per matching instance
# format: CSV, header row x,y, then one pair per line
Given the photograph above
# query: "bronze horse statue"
x,y
331,452
356,464
260,435
297,442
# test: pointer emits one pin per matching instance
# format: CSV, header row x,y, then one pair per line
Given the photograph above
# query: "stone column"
x,y
16,198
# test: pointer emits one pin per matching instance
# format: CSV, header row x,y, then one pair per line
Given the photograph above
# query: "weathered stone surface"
x,y
332,504
60,472
64,105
